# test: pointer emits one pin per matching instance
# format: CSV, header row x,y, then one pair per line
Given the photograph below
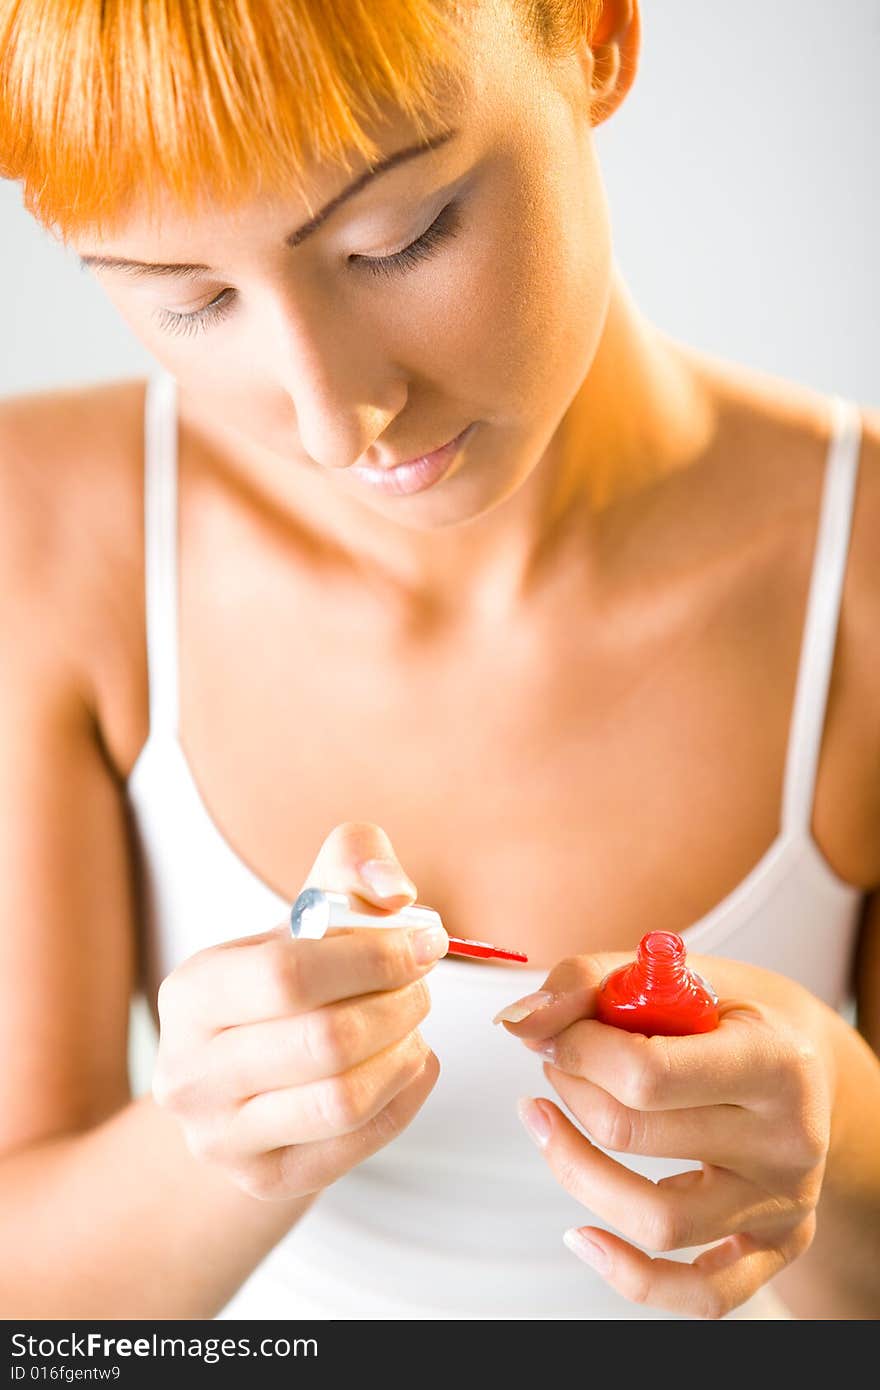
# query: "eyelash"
x,y
444,226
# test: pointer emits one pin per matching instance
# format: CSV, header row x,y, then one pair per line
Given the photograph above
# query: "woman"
x,y
609,661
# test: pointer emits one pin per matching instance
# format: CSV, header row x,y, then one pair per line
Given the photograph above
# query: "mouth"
x,y
414,475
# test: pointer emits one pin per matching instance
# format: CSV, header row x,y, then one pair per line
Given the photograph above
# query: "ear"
x,y
615,49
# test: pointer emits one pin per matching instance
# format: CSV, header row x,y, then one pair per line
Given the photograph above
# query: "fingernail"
x,y
521,1008
386,879
535,1119
587,1250
428,943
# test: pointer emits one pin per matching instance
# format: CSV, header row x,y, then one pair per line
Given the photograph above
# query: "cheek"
x,y
518,314
562,277
170,352
135,316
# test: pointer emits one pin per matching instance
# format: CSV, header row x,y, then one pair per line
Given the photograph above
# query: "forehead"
x,y
495,82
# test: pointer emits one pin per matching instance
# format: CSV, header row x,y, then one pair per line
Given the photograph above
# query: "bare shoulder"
x,y
68,916
865,542
852,728
773,466
855,694
779,433
61,450
71,524
860,616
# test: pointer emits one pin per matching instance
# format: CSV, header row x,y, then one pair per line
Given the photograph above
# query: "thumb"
x,y
567,994
358,857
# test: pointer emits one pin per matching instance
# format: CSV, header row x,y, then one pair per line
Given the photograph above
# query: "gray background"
x,y
742,179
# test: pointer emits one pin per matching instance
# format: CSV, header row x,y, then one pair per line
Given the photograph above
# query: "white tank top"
x,y
460,1217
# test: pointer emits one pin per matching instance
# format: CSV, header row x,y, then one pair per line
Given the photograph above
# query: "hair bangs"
x,y
104,105
107,105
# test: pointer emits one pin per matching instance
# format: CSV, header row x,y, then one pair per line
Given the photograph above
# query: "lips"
x,y
415,475
405,463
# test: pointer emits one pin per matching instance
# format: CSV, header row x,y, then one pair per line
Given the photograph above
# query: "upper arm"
x,y
865,646
67,938
867,975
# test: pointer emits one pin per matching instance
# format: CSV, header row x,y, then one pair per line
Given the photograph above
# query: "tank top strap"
x,y
821,622
160,549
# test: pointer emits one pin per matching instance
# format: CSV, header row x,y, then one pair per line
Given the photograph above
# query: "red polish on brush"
x,y
461,946
658,992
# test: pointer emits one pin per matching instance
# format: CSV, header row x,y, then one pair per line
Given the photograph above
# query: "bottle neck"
x,y
661,957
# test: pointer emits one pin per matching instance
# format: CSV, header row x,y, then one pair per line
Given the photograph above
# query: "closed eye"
x,y
444,226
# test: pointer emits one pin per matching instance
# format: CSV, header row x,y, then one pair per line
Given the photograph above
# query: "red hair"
x,y
101,103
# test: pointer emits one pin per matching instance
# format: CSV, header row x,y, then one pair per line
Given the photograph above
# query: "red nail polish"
x,y
658,992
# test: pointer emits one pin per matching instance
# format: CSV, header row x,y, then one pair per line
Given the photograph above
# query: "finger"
x,y
307,1047
686,1209
570,989
728,1136
710,1286
298,1169
568,993
276,976
324,1109
736,1064
349,846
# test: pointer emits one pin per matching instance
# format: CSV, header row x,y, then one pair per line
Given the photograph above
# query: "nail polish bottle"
x,y
658,992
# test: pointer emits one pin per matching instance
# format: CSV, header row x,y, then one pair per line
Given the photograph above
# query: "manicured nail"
x,y
386,879
535,1119
521,1008
428,943
587,1250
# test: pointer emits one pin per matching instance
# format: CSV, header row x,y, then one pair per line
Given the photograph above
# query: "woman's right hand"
x,y
287,1062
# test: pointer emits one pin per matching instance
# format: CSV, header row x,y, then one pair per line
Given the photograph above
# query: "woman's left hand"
x,y
752,1101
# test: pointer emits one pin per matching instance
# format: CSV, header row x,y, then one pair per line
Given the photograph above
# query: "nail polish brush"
x,y
318,909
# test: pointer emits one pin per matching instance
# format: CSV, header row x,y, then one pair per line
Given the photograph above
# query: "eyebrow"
x,y
138,269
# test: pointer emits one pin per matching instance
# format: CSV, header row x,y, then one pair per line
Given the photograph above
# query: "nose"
x,y
344,386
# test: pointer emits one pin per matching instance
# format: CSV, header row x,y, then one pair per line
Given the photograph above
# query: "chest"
x,y
557,786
